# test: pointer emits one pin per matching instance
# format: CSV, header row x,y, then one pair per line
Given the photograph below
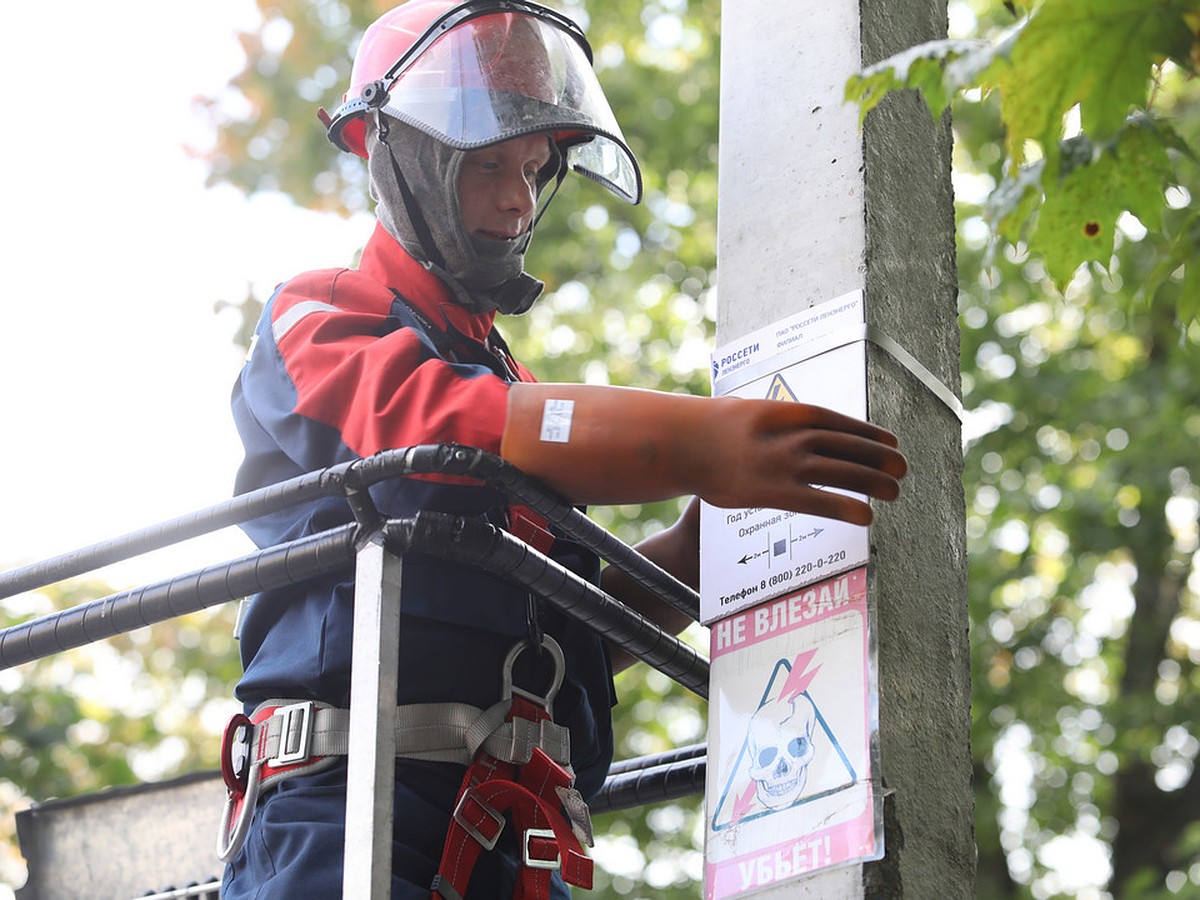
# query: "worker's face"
x,y
497,187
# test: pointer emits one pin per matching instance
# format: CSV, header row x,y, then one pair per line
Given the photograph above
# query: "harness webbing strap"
x,y
285,738
436,732
530,794
531,527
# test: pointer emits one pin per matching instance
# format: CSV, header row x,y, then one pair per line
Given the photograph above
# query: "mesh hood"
x,y
486,275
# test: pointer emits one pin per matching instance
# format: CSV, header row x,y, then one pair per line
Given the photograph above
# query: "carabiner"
x,y
560,668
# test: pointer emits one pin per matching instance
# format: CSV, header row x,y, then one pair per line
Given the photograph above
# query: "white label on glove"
x,y
556,420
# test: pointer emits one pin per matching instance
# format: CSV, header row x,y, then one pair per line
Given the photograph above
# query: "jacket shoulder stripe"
x,y
289,319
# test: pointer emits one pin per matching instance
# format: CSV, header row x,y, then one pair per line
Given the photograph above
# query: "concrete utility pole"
x,y
812,207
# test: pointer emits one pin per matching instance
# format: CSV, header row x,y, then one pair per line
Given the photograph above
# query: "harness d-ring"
x,y
235,818
560,668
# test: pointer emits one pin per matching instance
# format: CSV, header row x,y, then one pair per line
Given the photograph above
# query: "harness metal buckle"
x,y
295,736
488,843
534,862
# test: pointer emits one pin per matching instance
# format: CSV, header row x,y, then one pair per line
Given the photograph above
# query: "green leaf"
x,y
976,68
938,69
1183,250
1014,200
1073,153
1143,170
1079,217
1077,221
1095,53
1180,247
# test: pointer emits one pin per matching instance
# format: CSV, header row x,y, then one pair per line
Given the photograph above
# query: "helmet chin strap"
x,y
560,172
512,296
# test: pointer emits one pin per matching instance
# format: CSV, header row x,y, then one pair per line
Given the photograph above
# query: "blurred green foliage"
x,y
1082,493
1086,91
138,707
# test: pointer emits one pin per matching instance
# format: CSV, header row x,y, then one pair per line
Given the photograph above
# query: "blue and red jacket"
x,y
344,365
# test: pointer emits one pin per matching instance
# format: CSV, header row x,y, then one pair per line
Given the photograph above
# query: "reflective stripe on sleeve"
x,y
285,323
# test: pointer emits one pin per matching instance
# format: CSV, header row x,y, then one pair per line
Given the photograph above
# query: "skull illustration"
x,y
781,748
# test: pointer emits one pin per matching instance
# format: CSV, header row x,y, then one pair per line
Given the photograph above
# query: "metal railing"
x,y
376,547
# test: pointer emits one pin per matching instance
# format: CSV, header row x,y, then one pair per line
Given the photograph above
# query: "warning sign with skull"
x,y
790,786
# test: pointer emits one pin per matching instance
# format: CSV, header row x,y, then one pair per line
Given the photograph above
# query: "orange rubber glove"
x,y
606,445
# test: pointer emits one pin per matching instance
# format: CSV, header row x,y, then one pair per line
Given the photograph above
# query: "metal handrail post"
x,y
371,761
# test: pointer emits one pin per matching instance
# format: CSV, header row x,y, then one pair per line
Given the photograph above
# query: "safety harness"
x,y
517,758
534,792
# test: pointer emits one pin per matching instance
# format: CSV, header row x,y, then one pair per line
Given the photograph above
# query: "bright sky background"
x,y
115,371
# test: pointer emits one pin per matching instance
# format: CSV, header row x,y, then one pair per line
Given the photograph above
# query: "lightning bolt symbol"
x,y
742,804
798,679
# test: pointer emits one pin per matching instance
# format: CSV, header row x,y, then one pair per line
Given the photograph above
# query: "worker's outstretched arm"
x,y
604,445
676,549
599,444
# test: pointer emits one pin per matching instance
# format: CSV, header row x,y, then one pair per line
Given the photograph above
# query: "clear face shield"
x,y
482,75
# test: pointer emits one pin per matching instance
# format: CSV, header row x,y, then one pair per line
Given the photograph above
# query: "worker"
x,y
469,115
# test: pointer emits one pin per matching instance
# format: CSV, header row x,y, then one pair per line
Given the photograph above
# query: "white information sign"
x,y
748,556
790,787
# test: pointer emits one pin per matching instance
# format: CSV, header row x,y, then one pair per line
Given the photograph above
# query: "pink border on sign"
x,y
840,844
843,843
795,610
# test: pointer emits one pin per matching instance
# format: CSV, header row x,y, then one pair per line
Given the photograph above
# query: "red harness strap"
x,y
530,793
531,527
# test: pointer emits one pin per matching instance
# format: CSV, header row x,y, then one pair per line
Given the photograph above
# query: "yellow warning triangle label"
x,y
779,390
